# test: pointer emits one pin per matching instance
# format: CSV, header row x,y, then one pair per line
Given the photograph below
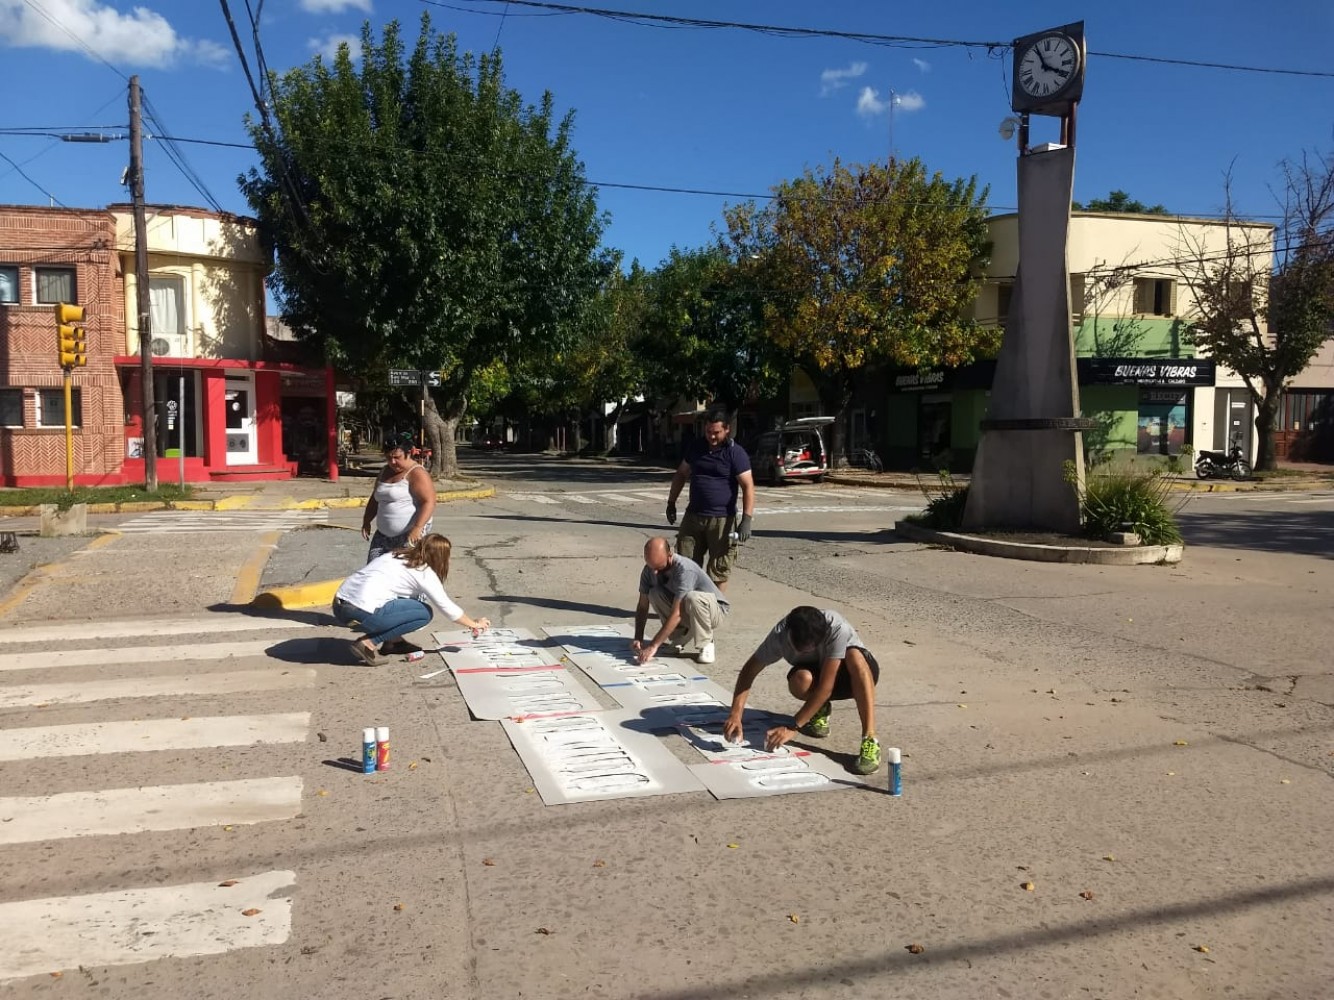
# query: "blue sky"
x,y
720,110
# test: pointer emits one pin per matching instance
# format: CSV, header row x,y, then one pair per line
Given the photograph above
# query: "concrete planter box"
x,y
1137,555
57,523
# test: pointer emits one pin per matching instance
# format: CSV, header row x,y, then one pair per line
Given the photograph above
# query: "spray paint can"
x,y
368,750
895,771
382,748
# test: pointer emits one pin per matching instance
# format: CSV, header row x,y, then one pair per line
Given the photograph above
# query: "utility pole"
x,y
141,297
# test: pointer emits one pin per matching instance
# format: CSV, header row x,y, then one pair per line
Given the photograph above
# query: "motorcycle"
x,y
1218,464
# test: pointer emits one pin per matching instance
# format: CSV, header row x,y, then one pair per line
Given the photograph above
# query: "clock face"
x,y
1047,65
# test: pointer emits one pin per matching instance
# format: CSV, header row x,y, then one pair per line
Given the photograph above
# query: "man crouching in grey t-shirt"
x,y
829,661
684,597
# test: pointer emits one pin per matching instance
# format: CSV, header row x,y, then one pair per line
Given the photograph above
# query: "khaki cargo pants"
x,y
701,537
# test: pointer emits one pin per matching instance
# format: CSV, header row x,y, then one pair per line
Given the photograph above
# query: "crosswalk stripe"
x,y
576,498
137,655
140,925
82,739
138,627
647,495
168,521
78,692
535,497
108,811
621,497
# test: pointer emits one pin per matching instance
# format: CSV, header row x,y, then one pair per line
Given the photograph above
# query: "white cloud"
x,y
328,45
869,103
922,64
833,79
141,37
334,6
911,101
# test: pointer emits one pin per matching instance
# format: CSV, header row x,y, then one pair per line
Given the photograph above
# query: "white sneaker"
x,y
705,654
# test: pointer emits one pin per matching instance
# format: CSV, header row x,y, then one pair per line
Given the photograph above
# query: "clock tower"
x,y
1033,426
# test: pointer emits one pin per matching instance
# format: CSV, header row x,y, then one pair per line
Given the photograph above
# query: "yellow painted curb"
x,y
236,501
306,595
344,503
192,505
134,506
18,511
481,494
101,508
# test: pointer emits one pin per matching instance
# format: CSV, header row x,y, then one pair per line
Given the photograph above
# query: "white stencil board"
x,y
506,692
589,756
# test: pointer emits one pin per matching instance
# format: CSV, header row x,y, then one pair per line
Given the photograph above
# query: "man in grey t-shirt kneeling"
x,y
829,662
690,605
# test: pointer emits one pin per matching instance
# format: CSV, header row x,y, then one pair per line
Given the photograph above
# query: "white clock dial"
x,y
1048,65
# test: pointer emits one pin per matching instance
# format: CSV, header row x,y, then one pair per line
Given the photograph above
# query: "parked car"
x,y
795,451
490,441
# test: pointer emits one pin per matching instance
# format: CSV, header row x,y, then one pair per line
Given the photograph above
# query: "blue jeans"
x,y
397,618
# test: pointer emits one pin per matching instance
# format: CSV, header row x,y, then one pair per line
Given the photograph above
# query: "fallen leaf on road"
x,y
1285,781
250,912
1027,886
1086,894
185,718
399,907
543,930
324,791
228,884
1171,774
56,975
915,948
1109,857
527,791
1180,743
963,706
1203,949
412,766
599,864
794,918
734,846
322,737
488,862
226,829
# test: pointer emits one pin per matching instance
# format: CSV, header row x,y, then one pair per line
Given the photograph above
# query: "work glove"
x,y
671,513
743,529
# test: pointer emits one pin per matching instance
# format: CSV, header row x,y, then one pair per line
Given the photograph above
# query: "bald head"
x,y
657,554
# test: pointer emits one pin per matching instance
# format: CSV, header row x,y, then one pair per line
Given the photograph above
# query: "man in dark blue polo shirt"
x,y
717,468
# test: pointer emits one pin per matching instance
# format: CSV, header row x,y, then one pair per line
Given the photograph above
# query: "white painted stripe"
x,y
29,819
535,497
138,655
620,497
832,510
648,495
77,692
142,925
576,498
139,627
81,739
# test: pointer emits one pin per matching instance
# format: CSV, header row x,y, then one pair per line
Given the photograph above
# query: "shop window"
x,y
9,283
55,284
166,294
51,407
1155,296
1004,295
1164,416
11,407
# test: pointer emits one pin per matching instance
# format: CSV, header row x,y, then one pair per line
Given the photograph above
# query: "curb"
x,y
305,595
1138,555
242,503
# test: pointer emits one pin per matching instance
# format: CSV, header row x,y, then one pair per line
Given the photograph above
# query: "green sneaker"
x,y
868,761
818,727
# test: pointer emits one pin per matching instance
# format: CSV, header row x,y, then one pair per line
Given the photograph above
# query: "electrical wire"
x,y
994,48
77,40
23,173
177,156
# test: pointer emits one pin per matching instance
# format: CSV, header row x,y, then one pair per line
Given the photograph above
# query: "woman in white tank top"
x,y
400,506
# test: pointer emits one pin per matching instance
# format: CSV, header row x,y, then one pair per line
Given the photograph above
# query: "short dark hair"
x,y
806,626
717,415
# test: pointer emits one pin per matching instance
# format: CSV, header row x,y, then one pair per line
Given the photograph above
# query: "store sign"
x,y
411,377
926,380
1146,371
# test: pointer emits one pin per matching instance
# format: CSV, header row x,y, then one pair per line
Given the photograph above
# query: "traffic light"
x,y
71,337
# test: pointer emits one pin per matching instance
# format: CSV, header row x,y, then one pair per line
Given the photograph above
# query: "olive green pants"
x,y
707,538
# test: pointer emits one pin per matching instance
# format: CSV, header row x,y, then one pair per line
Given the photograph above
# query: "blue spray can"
x,y
895,771
368,750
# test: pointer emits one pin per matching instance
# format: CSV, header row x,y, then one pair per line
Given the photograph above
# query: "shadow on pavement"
x,y
321,649
277,614
540,468
556,604
1291,530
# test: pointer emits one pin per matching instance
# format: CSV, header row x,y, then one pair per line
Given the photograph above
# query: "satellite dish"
x,y
1007,128
160,346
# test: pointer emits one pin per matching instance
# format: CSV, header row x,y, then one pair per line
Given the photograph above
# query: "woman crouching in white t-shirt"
x,y
390,596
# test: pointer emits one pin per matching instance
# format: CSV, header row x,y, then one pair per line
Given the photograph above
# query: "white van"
x,y
794,452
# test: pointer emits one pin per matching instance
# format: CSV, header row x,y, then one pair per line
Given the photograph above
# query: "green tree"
x,y
708,340
1264,310
1119,201
868,265
422,216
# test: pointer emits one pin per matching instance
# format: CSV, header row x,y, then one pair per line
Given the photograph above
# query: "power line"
x,y
22,173
871,38
77,40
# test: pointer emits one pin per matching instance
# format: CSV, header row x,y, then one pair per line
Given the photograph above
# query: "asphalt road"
x,y
1158,738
